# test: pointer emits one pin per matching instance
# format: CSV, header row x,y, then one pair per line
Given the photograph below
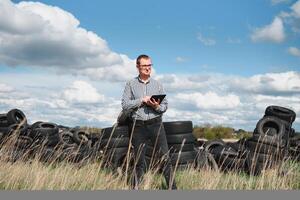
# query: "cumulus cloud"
x,y
4,88
48,36
273,32
294,51
234,101
206,41
82,92
210,100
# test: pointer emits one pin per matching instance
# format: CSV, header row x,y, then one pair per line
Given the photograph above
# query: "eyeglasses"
x,y
144,66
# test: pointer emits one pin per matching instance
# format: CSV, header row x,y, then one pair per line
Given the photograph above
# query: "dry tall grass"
x,y
34,175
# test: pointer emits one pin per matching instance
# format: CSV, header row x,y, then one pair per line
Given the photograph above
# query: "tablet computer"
x,y
159,97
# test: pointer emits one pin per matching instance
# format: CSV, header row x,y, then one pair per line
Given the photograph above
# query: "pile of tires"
x,y
114,143
181,143
42,140
225,156
270,141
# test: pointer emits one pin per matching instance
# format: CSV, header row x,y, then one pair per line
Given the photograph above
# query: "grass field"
x,y
35,175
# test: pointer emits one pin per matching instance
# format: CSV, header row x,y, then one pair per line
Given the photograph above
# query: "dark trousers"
x,y
152,130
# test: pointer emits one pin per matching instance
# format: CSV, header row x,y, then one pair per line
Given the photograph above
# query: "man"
x,y
147,119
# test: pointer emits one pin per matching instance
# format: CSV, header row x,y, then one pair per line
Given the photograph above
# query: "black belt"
x,y
150,121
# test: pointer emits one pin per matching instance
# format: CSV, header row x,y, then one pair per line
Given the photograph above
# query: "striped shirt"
x,y
135,90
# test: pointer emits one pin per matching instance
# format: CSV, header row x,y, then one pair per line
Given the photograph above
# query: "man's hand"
x,y
151,102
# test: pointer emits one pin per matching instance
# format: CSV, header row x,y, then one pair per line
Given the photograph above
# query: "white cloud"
x,y
82,92
273,32
296,9
203,98
275,2
4,88
51,37
210,100
206,41
294,51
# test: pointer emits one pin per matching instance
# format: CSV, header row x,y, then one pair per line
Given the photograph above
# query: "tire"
x,y
66,139
4,131
269,140
178,139
16,116
208,146
3,121
255,147
115,143
35,124
185,157
177,147
232,164
178,127
23,142
285,114
44,129
52,141
263,126
80,137
17,129
119,131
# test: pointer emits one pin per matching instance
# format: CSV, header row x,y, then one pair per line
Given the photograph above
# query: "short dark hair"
x,y
140,57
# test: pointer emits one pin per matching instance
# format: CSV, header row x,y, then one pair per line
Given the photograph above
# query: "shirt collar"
x,y
142,81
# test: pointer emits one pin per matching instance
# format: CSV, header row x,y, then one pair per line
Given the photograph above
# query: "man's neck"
x,y
144,78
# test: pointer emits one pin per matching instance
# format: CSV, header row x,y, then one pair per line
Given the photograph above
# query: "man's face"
x,y
145,67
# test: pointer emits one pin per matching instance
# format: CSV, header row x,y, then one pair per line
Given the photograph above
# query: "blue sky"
x,y
169,29
245,54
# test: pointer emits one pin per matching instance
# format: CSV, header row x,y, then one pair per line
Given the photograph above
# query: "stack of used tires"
x,y
181,145
225,156
114,143
270,141
43,140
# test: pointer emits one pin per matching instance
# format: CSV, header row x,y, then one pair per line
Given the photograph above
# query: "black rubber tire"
x,y
285,114
17,129
119,131
268,139
3,121
44,129
66,139
231,164
16,116
115,143
23,142
255,147
178,127
80,137
178,139
209,145
35,124
53,141
264,125
185,157
185,147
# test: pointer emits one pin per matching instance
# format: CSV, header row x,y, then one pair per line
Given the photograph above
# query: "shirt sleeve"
x,y
128,101
164,104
